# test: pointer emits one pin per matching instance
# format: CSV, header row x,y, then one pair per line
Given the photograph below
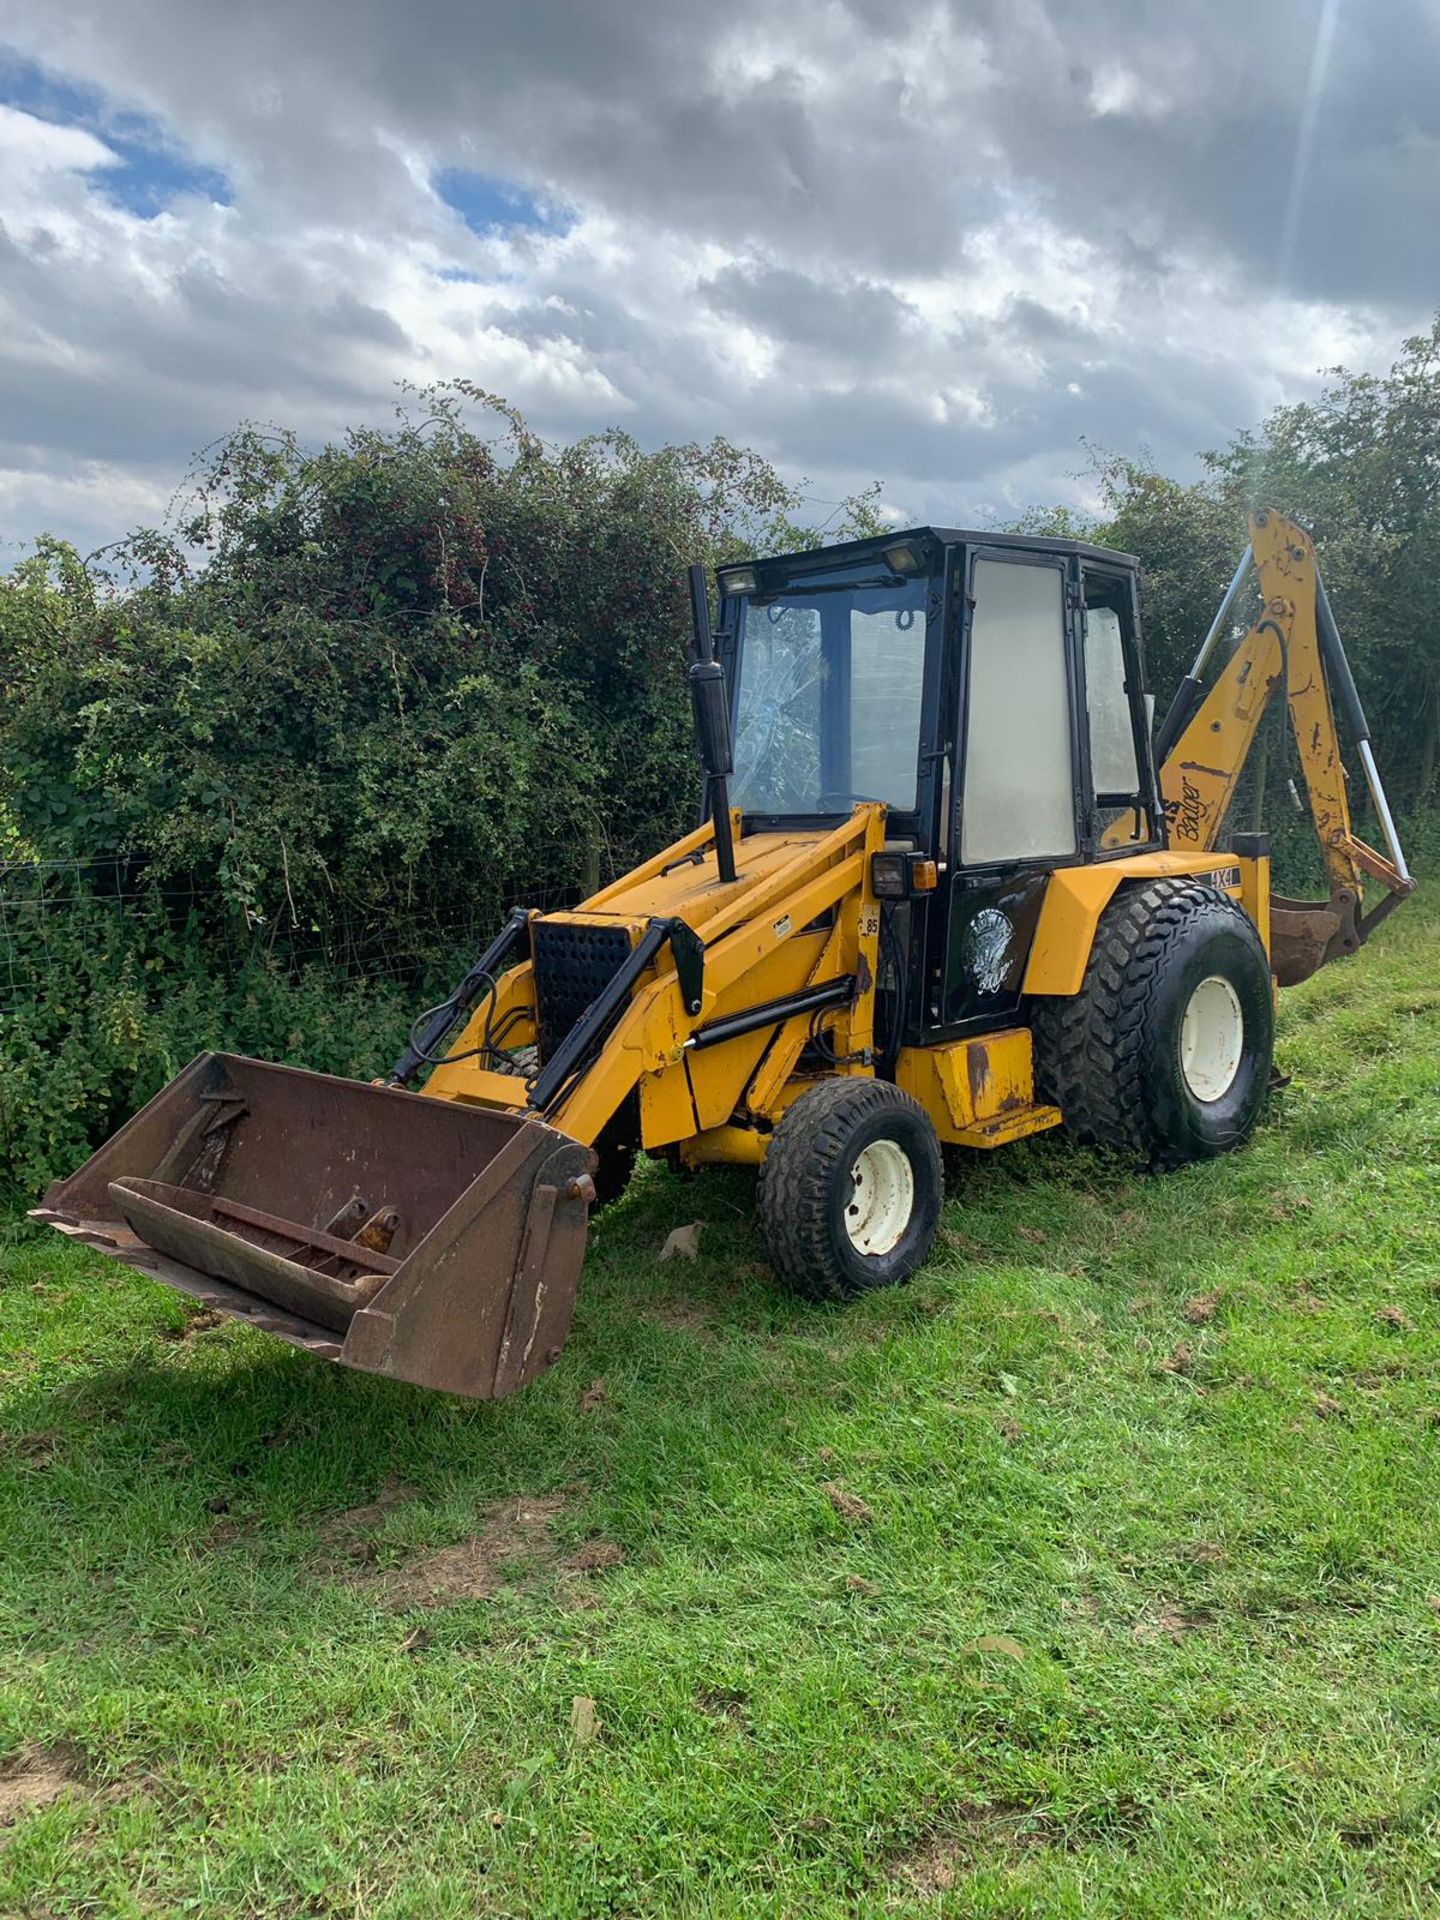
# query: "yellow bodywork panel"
x,y
725,1146
513,1017
980,1091
1076,897
667,1106
798,914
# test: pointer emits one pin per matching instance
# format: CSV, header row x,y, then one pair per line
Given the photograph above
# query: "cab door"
x,y
1016,813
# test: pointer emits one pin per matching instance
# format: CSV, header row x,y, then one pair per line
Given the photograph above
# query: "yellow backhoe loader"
x,y
948,889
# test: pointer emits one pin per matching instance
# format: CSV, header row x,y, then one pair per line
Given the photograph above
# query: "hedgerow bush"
x,y
353,702
127,1000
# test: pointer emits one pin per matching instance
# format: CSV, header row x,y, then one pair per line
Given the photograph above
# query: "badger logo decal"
x,y
987,949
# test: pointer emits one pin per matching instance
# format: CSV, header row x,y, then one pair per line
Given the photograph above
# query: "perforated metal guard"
x,y
573,962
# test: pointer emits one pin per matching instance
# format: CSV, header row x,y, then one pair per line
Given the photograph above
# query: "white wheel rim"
x,y
1212,1039
882,1198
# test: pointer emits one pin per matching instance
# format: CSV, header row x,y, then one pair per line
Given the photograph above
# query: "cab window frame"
x,y
1116,587
907,823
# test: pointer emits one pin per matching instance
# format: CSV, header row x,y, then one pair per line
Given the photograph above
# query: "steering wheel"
x,y
837,794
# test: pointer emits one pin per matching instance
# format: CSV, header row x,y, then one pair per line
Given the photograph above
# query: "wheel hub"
x,y
882,1197
1212,1039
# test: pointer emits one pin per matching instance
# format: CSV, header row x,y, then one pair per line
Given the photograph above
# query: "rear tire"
x,y
850,1188
1164,1055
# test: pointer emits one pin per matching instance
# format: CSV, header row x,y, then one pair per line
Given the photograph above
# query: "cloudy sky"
x,y
935,245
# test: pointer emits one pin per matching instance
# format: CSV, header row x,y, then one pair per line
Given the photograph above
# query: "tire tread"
x,y
1090,1058
791,1193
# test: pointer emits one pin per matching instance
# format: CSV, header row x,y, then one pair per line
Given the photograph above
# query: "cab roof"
x,y
953,537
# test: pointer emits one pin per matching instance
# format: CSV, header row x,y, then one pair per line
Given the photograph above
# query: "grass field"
x,y
1096,1573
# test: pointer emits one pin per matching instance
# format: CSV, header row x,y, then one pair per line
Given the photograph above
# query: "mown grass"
x,y
1144,1618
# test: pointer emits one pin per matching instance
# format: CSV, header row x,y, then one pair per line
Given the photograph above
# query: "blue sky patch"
x,y
152,168
489,206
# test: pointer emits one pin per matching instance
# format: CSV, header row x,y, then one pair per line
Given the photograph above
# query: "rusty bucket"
x,y
1305,934
420,1238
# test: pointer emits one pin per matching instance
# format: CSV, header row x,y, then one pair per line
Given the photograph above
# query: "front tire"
x,y
1164,1055
850,1189
616,1152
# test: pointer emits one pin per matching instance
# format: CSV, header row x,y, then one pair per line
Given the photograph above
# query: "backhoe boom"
x,y
1292,650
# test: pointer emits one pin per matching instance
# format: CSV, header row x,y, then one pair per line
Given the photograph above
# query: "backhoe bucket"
x,y
1305,934
421,1238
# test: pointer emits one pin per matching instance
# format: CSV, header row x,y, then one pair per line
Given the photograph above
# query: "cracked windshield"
x,y
829,701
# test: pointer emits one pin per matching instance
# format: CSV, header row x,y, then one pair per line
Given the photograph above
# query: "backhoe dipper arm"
x,y
1294,645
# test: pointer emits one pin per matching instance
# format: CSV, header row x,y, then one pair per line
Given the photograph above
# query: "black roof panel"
x,y
953,537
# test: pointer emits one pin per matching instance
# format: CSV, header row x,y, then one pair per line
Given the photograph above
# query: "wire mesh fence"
x,y
60,914
113,974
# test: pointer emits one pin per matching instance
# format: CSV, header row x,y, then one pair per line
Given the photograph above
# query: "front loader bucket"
x,y
421,1238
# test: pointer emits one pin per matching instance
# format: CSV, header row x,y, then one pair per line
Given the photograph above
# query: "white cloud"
x,y
937,251
32,149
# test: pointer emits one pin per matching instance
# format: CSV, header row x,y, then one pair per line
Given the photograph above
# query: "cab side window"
x,y
1019,798
1114,756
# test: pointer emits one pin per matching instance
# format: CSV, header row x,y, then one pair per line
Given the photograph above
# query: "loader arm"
x,y
1292,650
714,985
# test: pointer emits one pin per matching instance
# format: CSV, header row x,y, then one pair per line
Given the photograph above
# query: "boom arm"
x,y
1293,646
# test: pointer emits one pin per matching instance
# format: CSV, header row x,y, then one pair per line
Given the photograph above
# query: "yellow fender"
x,y
1077,896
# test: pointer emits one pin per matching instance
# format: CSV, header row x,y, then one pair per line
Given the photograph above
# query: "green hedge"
x,y
288,761
283,763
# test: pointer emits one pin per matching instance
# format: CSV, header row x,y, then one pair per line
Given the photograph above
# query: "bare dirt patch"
x,y
596,1556
849,1506
348,1530
225,1532
1203,1553
35,1777
200,1322
511,1532
942,1859
1172,1623
36,1448
723,1703
973,1835
682,1316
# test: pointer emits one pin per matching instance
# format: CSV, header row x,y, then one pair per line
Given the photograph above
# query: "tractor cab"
x,y
990,690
